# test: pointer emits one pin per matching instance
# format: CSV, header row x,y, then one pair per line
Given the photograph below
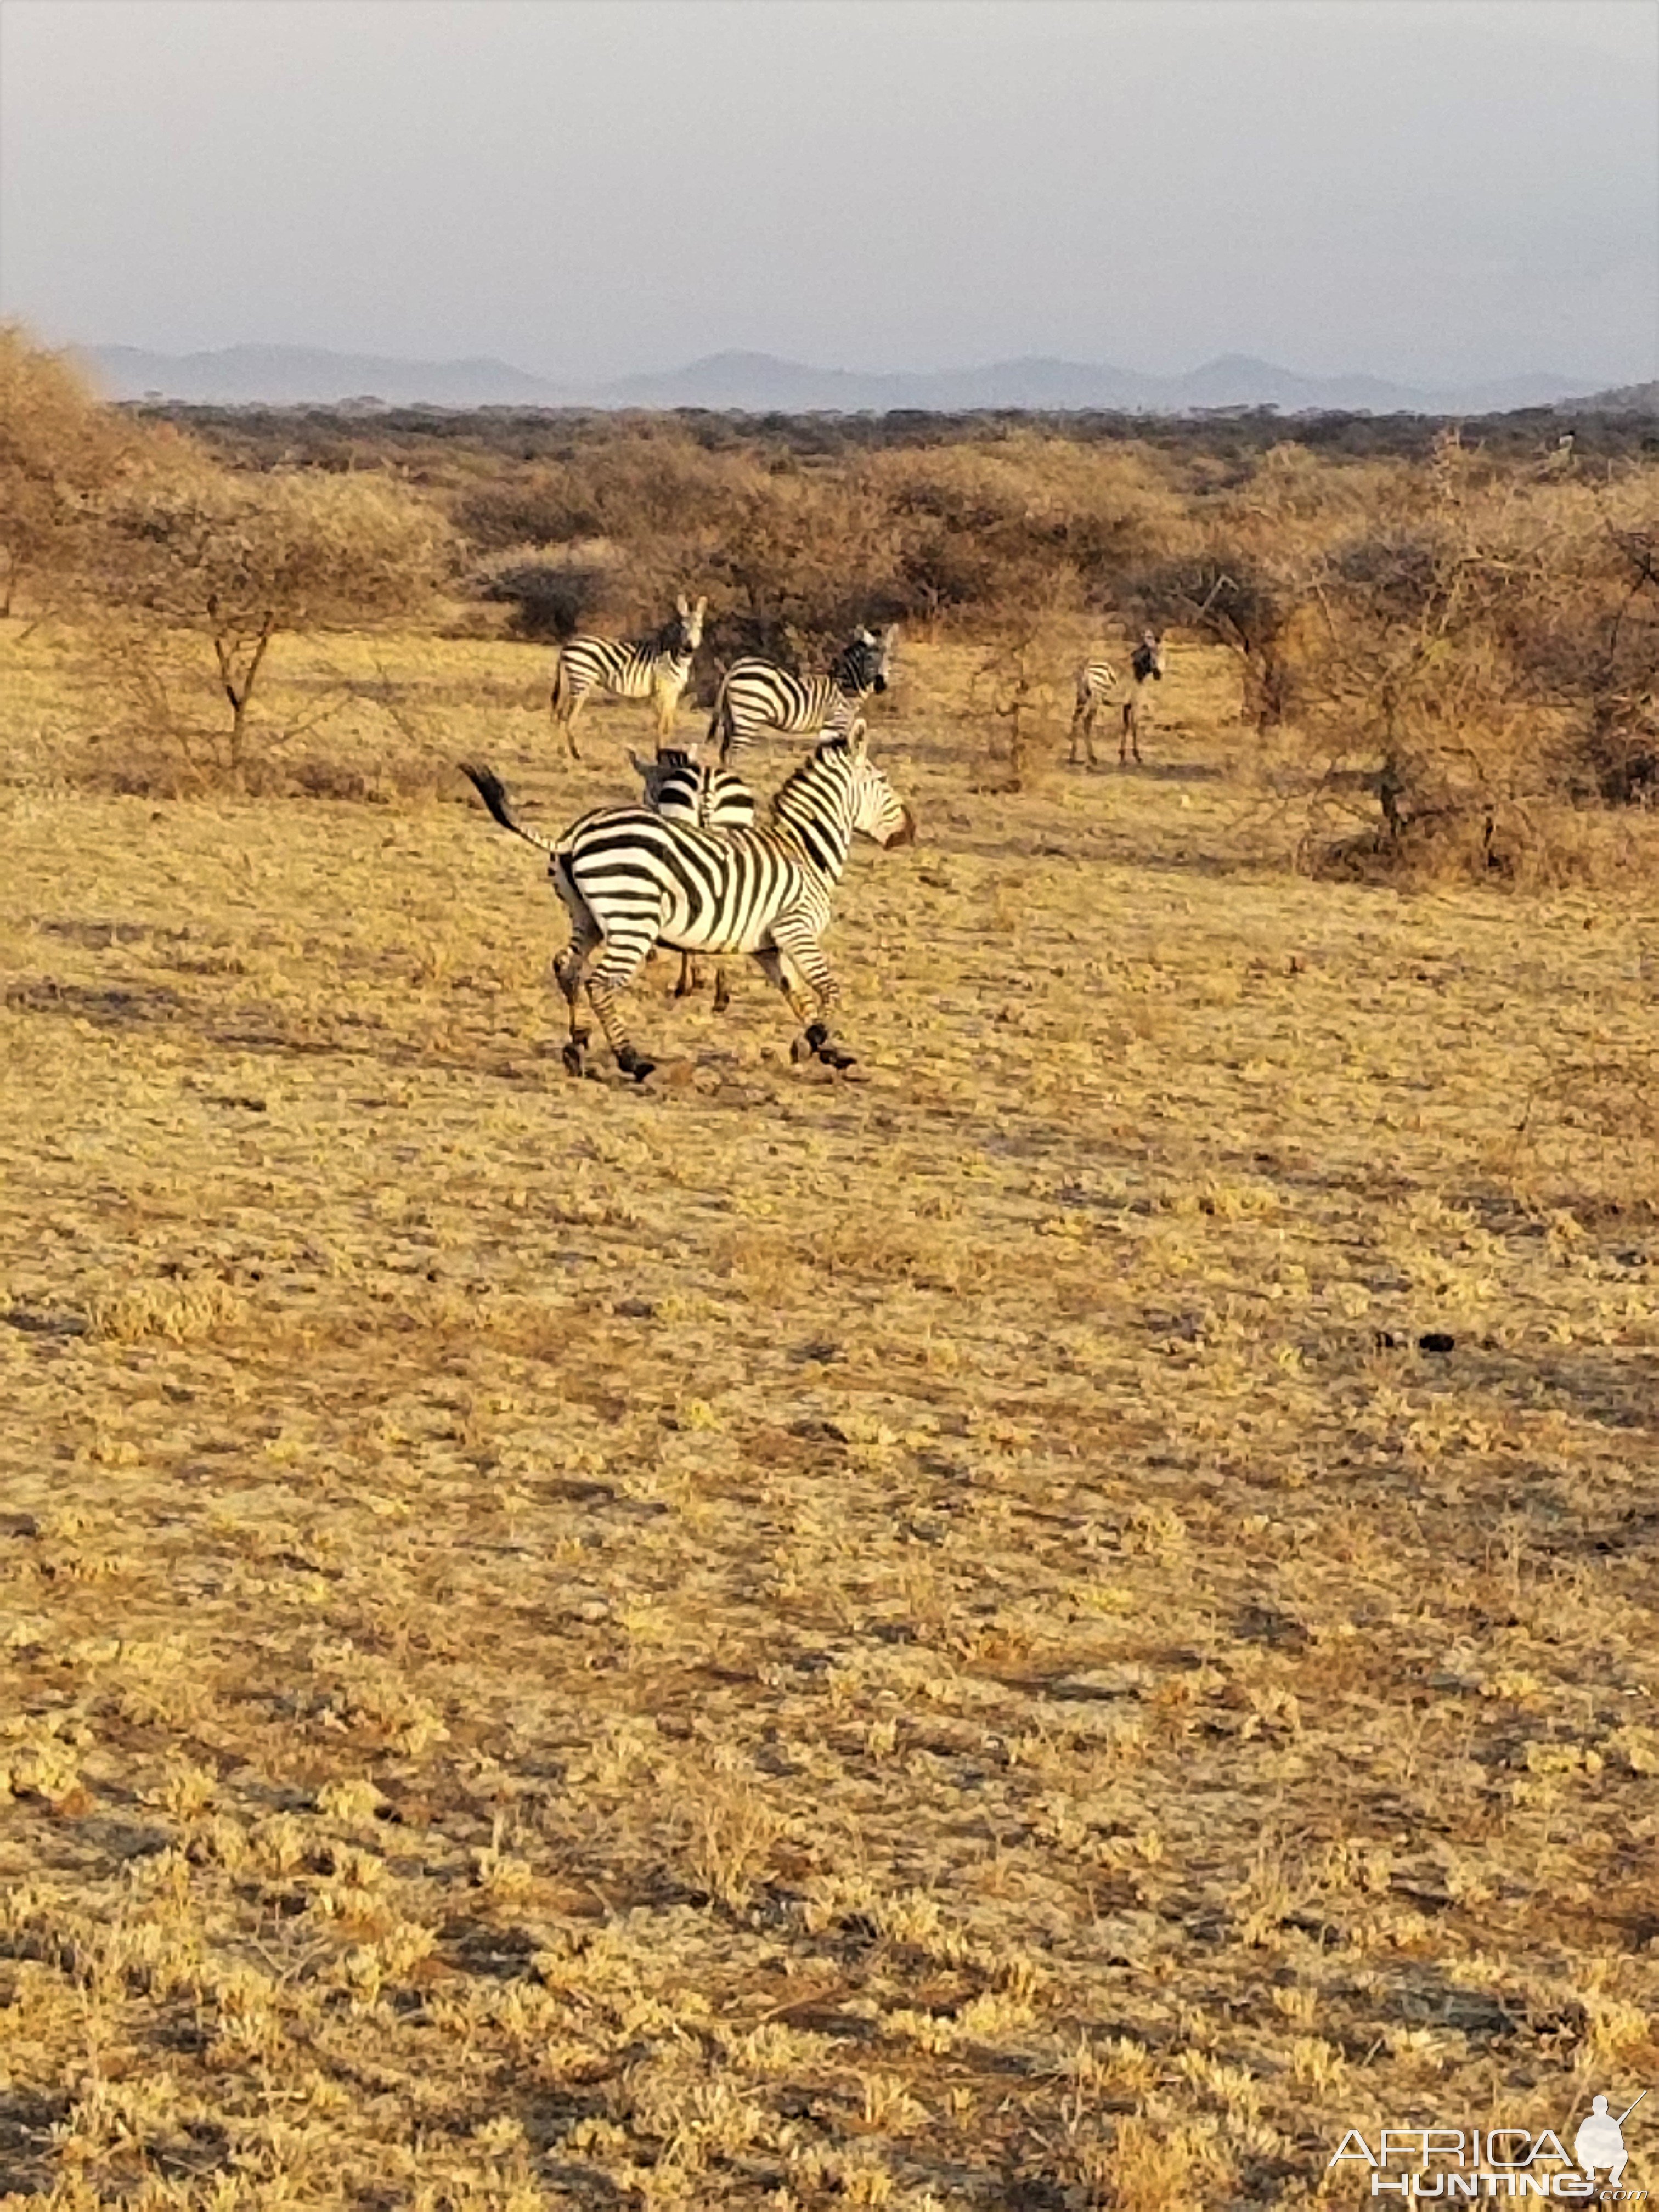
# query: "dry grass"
x,y
769,1641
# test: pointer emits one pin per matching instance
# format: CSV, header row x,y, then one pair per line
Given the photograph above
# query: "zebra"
x,y
1146,666
1097,683
657,668
756,695
681,788
630,879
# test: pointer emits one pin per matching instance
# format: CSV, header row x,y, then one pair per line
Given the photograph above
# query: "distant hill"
x,y
759,383
291,376
1622,399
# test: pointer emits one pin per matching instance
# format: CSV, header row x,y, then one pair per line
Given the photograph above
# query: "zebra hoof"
x,y
574,1061
722,996
635,1064
642,1068
837,1056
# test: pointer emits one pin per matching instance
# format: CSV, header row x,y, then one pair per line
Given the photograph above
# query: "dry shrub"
x,y
178,1312
730,1831
1468,652
1248,569
157,731
1016,692
552,595
793,552
1153,2169
60,453
201,572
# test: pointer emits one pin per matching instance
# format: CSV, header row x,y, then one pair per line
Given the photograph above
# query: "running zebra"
x,y
756,695
657,668
1098,684
681,788
629,880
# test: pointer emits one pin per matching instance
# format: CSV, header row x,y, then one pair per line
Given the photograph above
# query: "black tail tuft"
x,y
493,792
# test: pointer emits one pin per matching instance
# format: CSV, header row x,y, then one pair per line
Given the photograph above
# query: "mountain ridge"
x,y
762,383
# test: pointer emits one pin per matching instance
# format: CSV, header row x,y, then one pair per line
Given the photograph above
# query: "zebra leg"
x,y
565,702
567,970
1082,723
690,977
1131,736
576,706
625,955
722,988
666,699
803,949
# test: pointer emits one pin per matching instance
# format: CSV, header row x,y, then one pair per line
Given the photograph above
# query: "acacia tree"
x,y
1590,643
1476,645
235,561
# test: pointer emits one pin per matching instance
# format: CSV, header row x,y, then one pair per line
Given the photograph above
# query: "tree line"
x,y
1457,625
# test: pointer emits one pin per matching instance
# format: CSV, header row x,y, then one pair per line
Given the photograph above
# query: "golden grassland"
x,y
927,1640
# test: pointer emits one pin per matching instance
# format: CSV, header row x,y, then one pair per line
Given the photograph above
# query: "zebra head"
x,y
687,626
875,809
867,665
1149,656
837,793
672,765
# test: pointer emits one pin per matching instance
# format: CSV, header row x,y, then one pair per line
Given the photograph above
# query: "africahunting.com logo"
x,y
1453,2162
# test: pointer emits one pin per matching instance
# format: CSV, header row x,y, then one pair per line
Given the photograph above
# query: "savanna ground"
x,y
770,1640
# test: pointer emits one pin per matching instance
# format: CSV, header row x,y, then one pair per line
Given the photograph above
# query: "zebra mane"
x,y
817,791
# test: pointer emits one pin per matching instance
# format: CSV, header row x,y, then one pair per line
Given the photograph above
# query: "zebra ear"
x,y
682,606
702,604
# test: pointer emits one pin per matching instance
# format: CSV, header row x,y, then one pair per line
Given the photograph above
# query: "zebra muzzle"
x,y
904,834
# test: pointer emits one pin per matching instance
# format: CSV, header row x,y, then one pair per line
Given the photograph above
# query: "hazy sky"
x,y
1431,190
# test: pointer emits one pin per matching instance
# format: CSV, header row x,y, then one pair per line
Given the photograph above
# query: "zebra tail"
x,y
493,792
559,687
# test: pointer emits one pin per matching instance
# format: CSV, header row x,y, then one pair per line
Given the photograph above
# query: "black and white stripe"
x,y
1096,680
1098,684
657,668
629,880
682,788
1147,667
757,697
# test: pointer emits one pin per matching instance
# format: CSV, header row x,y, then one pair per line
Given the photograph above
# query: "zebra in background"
x,y
681,788
1096,680
756,695
657,668
1146,666
1098,684
630,879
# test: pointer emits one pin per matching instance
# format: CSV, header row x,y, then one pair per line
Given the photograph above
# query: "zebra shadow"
x,y
104,1006
1174,771
121,1011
